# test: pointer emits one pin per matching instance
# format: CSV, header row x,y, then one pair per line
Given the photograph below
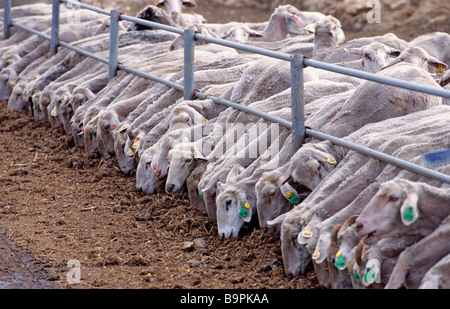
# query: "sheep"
x,y
375,56
146,178
343,239
417,259
178,43
437,277
173,8
411,200
285,20
436,44
327,34
154,14
350,169
314,161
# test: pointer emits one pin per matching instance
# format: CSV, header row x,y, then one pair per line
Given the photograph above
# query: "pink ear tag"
x,y
113,126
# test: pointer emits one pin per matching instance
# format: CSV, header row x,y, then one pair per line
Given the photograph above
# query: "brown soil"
x,y
59,203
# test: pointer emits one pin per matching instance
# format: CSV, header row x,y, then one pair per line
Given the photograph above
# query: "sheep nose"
x,y
174,16
169,187
358,226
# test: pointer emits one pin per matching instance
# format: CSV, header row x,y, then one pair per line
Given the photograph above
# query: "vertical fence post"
x,y
188,64
54,42
7,17
298,117
114,44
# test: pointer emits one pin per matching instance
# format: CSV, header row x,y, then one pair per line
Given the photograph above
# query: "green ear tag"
x,y
340,262
199,192
94,134
368,269
243,212
294,199
408,213
356,276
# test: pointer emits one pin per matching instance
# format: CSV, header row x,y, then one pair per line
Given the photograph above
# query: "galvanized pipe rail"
x,y
297,64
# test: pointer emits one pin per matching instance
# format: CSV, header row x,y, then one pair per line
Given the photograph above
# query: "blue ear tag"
x,y
289,21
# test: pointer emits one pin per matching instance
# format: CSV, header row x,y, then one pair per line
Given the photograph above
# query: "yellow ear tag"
x,y
331,160
247,206
204,119
136,144
13,82
53,112
440,69
130,153
121,129
307,232
316,254
288,194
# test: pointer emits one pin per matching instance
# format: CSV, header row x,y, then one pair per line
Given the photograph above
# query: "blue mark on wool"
x,y
437,156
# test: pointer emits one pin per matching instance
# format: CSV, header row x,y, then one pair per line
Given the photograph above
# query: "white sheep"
x,y
417,259
347,180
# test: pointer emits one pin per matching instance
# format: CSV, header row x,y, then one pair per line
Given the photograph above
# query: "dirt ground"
x,y
59,203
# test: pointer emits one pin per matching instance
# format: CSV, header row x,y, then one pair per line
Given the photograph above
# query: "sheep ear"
x,y
233,173
289,193
434,62
409,211
198,155
394,52
189,3
277,220
220,187
311,28
245,212
354,51
255,34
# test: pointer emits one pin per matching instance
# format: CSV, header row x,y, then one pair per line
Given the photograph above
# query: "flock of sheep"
x,y
360,222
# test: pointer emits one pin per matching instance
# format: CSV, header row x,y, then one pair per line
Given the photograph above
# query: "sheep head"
x,y
310,166
183,159
395,203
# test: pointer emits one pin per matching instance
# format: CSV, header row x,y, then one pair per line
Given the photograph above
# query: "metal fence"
x,y
297,62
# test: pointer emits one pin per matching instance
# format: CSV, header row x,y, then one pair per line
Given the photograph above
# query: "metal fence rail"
x,y
297,125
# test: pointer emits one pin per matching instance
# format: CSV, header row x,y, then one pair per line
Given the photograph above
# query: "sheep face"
x,y
270,202
90,136
296,258
107,122
127,163
391,206
239,33
375,55
76,122
146,179
193,182
7,82
66,113
182,163
311,167
417,57
174,7
232,211
328,27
